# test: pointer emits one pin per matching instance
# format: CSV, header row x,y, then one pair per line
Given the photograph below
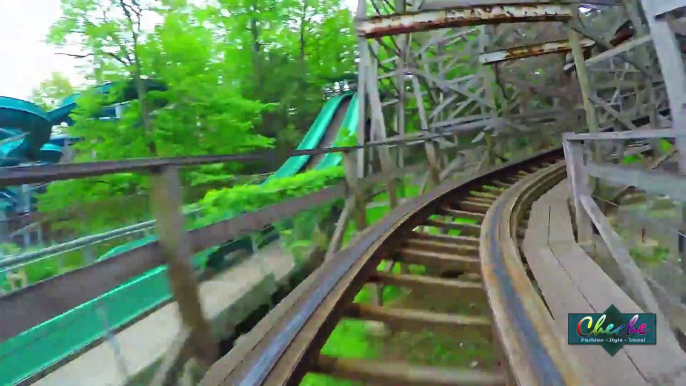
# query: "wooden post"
x,y
434,169
586,89
632,13
378,128
361,94
166,204
584,81
359,208
579,181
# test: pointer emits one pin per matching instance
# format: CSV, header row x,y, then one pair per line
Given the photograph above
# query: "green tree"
x,y
52,91
199,112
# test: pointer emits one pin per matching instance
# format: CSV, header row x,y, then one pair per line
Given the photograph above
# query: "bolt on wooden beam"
x,y
396,24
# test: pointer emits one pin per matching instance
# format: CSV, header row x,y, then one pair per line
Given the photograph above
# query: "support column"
x,y
174,243
378,129
361,91
586,89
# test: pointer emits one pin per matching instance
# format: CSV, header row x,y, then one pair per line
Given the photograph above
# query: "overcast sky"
x,y
25,59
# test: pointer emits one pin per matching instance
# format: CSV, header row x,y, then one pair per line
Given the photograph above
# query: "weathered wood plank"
x,y
418,319
563,296
653,181
166,201
443,247
600,291
418,282
415,256
462,214
404,373
619,135
466,229
457,240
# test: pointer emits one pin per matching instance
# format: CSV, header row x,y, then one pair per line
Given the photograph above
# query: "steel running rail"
x,y
286,344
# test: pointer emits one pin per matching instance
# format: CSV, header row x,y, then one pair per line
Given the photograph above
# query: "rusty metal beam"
x,y
530,50
403,23
438,4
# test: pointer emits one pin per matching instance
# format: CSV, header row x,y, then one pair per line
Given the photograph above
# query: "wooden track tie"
x,y
456,240
418,319
461,214
465,229
402,373
472,206
419,282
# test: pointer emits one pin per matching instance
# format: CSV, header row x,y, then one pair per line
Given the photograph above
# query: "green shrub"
x,y
219,204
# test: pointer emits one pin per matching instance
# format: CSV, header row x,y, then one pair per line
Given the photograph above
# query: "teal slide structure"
x,y
53,341
25,131
25,136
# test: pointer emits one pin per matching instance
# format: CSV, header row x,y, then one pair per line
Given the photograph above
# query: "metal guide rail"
x,y
487,273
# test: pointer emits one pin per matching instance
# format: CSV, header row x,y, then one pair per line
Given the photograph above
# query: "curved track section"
x,y
483,257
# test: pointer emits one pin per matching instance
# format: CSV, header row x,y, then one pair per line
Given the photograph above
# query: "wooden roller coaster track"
x,y
481,266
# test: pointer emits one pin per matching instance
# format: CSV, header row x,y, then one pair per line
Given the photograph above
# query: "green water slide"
x,y
347,128
55,340
314,136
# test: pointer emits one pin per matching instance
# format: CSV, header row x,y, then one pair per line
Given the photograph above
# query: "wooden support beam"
x,y
620,49
175,247
653,181
401,373
434,169
528,51
579,183
341,226
396,24
584,80
621,135
359,207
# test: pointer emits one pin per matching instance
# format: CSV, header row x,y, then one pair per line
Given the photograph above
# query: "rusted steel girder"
x,y
530,50
403,23
439,4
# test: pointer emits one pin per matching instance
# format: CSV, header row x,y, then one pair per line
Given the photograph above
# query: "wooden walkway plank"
x,y
562,297
601,291
572,282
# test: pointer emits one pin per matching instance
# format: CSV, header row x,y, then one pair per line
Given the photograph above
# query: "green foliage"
x,y
346,139
234,84
51,92
9,249
220,204
652,255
